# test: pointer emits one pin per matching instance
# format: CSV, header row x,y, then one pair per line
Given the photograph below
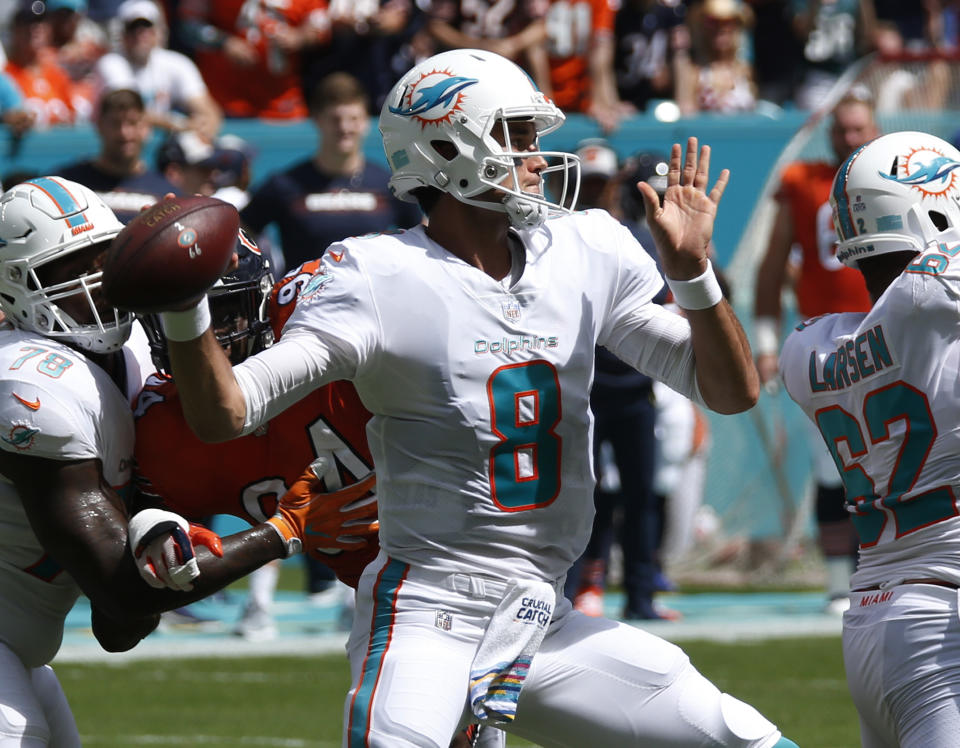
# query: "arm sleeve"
x,y
331,335
654,340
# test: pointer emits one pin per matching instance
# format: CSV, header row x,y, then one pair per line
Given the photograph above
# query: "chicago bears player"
x,y
823,285
71,367
471,342
256,470
881,388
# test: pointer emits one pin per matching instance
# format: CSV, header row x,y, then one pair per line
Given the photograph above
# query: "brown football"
x,y
170,254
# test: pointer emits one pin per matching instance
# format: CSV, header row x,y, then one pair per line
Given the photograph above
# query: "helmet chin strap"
x,y
523,213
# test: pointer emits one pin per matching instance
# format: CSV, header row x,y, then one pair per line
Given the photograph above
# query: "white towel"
x,y
512,638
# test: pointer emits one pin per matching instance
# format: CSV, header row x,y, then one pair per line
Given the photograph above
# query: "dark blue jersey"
x,y
125,196
313,209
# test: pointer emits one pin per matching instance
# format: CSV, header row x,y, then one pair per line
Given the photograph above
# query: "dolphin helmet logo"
x,y
926,170
433,98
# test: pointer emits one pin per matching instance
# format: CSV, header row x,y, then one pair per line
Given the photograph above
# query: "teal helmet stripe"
x,y
70,209
842,200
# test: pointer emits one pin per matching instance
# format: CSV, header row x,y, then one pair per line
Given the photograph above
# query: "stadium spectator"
x,y
17,119
189,162
249,53
336,192
48,93
371,40
172,88
777,51
717,77
234,157
824,285
580,47
649,36
624,421
833,35
880,385
517,32
77,43
72,365
119,174
473,346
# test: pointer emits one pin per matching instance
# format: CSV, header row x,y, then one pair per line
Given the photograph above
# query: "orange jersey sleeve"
x,y
825,284
572,27
246,476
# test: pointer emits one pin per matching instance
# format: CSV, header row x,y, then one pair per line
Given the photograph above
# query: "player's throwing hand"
x,y
682,227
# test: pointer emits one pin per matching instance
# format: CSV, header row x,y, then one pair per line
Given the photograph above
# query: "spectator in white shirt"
x,y
177,99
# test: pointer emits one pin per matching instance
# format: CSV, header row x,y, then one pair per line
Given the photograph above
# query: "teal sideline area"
x,y
746,144
319,629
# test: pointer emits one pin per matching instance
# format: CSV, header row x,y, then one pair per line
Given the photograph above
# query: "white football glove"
x,y
162,549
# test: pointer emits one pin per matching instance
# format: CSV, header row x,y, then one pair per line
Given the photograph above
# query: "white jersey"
x,y
882,388
479,388
56,404
168,81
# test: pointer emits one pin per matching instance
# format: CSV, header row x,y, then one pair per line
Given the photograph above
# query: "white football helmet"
x,y
898,192
455,99
42,221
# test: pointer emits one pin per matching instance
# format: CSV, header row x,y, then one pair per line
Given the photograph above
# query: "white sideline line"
x,y
323,644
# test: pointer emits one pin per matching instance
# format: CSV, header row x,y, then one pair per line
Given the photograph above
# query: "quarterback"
x,y
471,342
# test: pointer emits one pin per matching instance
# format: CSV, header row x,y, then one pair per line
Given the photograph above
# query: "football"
x,y
170,254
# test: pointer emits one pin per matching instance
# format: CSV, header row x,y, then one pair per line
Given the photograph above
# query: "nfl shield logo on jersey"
x,y
511,310
444,620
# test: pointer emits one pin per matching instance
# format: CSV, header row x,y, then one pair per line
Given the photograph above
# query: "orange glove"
x,y
323,522
200,535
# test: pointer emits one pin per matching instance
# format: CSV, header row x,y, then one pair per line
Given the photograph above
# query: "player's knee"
x,y
831,504
23,728
729,721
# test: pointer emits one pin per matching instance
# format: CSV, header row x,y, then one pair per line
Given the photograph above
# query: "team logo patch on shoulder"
x,y
318,281
433,98
21,436
926,170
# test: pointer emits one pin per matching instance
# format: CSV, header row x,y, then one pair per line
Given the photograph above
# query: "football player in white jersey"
x,y
71,366
881,386
471,341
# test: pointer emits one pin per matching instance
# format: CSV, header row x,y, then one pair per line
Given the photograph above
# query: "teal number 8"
x,y
524,411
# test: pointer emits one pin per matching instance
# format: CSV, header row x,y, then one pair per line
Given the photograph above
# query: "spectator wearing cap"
x,y
189,162
234,157
624,447
48,93
175,94
335,193
119,174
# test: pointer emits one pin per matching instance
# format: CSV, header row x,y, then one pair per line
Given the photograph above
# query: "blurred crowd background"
x,y
196,62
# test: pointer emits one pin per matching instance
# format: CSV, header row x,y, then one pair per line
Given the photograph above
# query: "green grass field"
x,y
296,702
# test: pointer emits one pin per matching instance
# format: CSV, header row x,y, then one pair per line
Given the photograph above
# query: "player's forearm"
x,y
212,401
726,375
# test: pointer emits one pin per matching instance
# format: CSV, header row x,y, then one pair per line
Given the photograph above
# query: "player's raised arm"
x,y
163,261
681,229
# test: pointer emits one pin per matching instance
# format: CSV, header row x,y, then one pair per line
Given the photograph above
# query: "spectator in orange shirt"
x,y
581,47
249,52
76,43
47,90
